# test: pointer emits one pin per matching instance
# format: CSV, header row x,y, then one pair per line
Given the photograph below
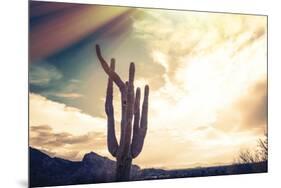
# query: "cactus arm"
x,y
143,122
140,134
136,122
111,136
123,119
112,74
130,107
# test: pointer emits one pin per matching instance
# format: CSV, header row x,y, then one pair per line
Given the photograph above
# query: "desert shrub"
x,y
259,154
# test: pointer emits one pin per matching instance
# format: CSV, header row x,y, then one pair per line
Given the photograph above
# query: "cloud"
x,y
42,74
179,34
64,95
61,117
208,62
64,144
48,81
253,106
191,148
248,112
55,83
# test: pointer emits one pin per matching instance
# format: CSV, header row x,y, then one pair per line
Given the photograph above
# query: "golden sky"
x,y
208,78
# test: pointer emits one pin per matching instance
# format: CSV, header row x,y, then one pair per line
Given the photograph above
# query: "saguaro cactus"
x,y
131,140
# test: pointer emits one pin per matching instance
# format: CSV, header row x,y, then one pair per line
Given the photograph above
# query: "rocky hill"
x,y
48,171
53,171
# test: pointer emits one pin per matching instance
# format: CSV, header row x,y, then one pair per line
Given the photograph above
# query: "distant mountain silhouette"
x,y
48,171
53,171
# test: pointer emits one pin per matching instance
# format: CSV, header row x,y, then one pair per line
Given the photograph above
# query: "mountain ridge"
x,y
93,168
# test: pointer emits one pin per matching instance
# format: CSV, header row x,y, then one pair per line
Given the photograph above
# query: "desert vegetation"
x,y
259,154
131,140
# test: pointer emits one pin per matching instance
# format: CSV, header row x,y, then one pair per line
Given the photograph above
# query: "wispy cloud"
x,y
64,131
61,117
64,144
42,74
68,95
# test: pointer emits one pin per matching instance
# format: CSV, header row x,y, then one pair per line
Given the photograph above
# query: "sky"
x,y
207,74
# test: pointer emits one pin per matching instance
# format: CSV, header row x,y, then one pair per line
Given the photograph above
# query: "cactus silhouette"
x,y
131,140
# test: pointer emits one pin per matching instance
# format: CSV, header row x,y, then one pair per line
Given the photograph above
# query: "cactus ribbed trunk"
x,y
123,168
131,138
